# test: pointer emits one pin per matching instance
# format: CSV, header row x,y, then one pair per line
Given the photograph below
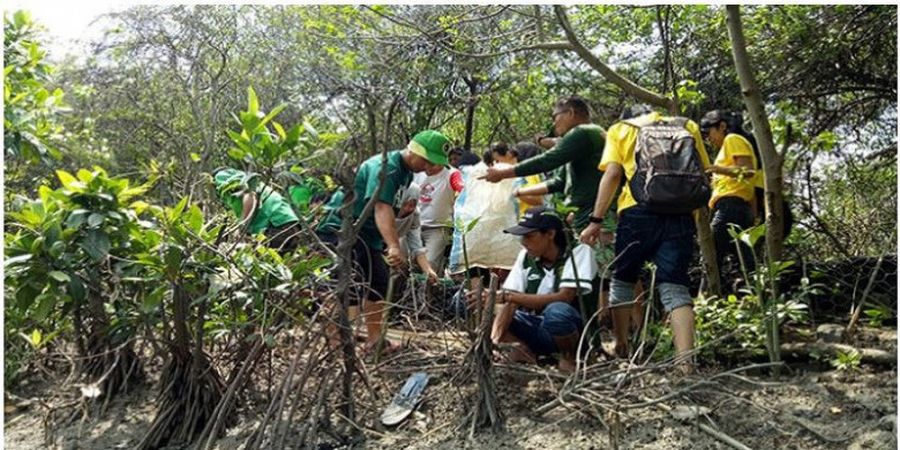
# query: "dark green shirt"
x,y
331,222
367,177
579,152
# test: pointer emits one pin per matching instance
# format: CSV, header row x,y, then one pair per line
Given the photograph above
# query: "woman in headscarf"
x,y
409,228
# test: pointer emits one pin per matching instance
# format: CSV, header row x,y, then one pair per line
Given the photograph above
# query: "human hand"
x,y
493,175
394,258
570,218
590,234
473,301
431,275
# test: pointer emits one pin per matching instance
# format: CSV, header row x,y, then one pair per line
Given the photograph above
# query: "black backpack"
x,y
669,176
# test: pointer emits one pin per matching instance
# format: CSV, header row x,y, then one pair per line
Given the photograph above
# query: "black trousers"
x,y
728,211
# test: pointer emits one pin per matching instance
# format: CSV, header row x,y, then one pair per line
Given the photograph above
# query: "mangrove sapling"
x,y
189,387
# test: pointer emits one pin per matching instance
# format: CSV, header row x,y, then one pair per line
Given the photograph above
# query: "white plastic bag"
x,y
487,245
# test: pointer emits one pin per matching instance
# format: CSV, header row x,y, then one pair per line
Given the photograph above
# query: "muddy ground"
x,y
811,407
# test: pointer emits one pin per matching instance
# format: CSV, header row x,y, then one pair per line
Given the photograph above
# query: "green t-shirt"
x,y
579,151
273,210
367,177
331,222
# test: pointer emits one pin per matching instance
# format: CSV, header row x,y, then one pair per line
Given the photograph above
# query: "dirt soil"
x,y
828,409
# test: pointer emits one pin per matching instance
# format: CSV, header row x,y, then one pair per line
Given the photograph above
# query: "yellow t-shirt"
x,y
725,186
620,141
529,180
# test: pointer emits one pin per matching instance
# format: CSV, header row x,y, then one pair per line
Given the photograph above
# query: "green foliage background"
x,y
152,103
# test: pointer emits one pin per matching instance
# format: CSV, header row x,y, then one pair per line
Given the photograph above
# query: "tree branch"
x,y
614,77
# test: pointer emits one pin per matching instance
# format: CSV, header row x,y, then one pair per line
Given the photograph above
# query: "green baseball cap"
x,y
431,145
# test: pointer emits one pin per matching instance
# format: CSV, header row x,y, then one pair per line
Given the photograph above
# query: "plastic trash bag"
x,y
493,203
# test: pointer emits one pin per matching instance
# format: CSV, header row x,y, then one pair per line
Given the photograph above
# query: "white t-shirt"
x,y
585,263
435,198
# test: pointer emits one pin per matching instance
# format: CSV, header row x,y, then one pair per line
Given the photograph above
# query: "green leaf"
x,y
195,157
293,136
76,289
128,193
95,220
84,175
153,299
175,213
44,193
271,115
752,235
96,244
18,259
35,338
249,121
172,260
236,154
139,206
195,219
472,224
76,218
45,304
279,130
311,130
252,101
65,178
59,276
25,297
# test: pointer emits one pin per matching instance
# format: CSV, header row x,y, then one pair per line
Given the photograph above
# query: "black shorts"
x,y
370,271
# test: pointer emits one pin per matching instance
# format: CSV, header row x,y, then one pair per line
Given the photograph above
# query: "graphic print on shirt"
x,y
425,194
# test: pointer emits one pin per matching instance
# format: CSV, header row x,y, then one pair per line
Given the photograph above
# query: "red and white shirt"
x,y
437,196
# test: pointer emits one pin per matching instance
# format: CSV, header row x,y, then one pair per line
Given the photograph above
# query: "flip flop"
x,y
406,401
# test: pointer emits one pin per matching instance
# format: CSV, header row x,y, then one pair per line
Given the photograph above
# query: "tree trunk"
x,y
771,160
371,125
190,386
708,251
472,102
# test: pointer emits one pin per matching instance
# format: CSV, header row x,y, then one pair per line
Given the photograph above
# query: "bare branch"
x,y
614,77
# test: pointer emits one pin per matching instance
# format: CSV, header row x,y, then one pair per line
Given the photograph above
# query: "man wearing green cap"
x,y
260,208
378,234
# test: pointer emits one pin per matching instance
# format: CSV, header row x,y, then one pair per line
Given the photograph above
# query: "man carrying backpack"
x,y
663,161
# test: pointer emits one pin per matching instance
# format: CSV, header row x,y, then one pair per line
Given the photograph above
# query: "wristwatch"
x,y
594,219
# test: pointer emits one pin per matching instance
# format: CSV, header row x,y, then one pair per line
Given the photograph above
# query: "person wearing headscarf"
x,y
409,228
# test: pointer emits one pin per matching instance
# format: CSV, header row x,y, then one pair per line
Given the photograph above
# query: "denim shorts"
x,y
538,330
666,240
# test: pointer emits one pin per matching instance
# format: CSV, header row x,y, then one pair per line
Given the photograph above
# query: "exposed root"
x,y
484,411
190,389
